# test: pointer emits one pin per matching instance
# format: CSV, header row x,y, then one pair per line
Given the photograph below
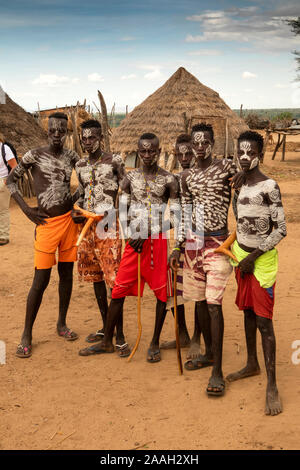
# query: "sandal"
x,y
68,334
153,355
216,387
92,350
198,363
123,349
95,337
24,351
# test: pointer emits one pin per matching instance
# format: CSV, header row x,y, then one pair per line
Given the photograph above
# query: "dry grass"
x,y
162,114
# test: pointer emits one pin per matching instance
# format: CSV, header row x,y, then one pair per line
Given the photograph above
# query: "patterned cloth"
x,y
205,273
99,259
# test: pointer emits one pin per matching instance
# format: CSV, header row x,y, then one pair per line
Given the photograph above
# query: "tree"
x,y
295,28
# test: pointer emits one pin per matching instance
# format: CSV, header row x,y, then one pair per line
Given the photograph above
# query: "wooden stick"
x,y
179,360
139,310
224,248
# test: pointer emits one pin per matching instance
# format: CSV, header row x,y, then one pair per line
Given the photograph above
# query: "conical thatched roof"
x,y
163,114
20,128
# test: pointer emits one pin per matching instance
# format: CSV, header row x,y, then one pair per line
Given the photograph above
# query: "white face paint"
x,y
183,149
96,146
198,138
146,144
245,146
87,133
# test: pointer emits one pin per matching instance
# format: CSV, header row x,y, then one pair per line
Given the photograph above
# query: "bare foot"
x,y
194,351
243,373
273,402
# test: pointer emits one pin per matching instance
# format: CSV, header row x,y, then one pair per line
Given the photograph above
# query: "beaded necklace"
x,y
91,180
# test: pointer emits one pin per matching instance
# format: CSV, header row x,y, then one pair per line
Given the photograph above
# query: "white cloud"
x,y
154,72
128,77
263,28
128,38
53,80
249,75
95,77
205,52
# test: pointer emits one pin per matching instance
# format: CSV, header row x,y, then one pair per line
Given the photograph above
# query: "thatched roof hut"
x,y
19,127
173,109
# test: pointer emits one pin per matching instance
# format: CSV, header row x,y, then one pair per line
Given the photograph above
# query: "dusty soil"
x,y
58,400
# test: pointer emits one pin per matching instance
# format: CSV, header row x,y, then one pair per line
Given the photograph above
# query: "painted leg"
x,y
101,297
34,299
273,401
106,346
154,351
216,385
184,336
65,272
252,366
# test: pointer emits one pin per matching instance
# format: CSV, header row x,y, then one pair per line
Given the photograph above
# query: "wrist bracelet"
x,y
176,249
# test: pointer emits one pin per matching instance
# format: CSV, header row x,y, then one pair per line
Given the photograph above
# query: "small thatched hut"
x,y
19,127
173,109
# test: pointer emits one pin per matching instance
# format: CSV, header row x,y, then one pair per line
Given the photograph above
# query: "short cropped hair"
x,y
58,116
90,123
252,135
148,136
203,128
183,138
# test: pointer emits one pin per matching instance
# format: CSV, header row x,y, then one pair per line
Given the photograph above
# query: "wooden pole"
x,y
76,141
283,148
105,128
226,138
139,310
179,360
267,134
277,146
241,111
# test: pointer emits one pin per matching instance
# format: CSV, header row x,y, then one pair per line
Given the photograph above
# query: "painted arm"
x,y
277,234
32,213
186,203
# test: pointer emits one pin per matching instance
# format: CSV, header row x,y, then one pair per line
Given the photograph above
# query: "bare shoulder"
x,y
169,177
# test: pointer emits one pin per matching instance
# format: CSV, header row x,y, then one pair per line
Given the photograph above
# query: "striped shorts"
x,y
205,273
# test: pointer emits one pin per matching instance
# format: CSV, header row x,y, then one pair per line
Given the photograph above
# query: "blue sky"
x,y
56,52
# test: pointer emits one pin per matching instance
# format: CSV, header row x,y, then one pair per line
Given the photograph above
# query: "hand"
x,y
247,265
33,214
174,260
238,180
77,217
137,244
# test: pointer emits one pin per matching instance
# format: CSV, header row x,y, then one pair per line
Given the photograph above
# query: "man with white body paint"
x,y
99,254
206,189
260,227
51,169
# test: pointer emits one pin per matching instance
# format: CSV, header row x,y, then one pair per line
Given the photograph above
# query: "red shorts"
x,y
154,270
250,295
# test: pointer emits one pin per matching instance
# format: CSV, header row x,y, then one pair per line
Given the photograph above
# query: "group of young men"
x,y
198,200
